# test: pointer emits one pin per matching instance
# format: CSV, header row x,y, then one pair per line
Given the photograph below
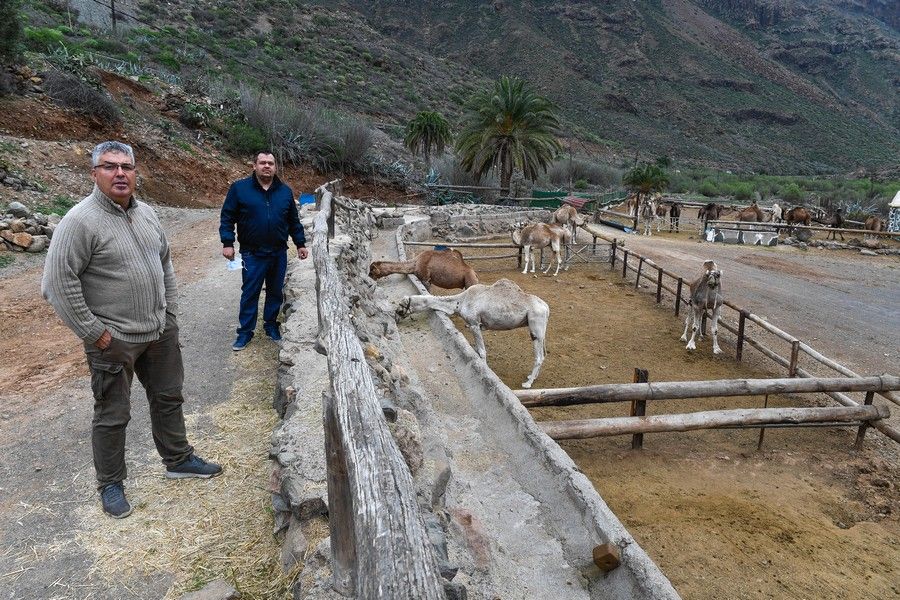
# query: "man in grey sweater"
x,y
109,276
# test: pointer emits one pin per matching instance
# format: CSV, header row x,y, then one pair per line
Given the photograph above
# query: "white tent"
x,y
893,223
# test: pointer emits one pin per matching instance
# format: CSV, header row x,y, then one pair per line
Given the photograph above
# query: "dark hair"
x,y
258,152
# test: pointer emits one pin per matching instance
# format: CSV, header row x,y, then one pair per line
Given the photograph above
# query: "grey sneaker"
x,y
114,502
194,466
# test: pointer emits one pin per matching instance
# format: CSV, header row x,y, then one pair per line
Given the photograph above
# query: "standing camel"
x,y
498,307
797,215
443,268
777,216
710,212
648,210
836,221
631,204
539,236
674,216
706,292
661,212
567,215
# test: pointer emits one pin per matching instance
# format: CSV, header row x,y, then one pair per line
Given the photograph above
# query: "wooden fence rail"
x,y
379,544
675,390
731,224
714,419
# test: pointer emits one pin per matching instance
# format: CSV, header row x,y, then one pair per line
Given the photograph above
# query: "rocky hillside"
x,y
777,86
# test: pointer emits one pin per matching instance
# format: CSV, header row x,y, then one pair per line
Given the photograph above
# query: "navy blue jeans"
x,y
259,268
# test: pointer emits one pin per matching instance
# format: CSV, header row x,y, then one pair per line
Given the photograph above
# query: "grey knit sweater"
x,y
109,268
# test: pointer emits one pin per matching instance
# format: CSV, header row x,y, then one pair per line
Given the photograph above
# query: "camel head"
x,y
712,273
375,270
516,235
403,307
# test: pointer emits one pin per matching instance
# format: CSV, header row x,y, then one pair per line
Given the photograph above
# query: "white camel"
x,y
777,216
706,292
540,235
498,307
648,213
567,215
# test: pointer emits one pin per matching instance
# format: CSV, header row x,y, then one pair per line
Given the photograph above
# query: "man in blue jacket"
x,y
264,211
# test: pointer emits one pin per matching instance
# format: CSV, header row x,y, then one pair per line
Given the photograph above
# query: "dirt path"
x,y
55,541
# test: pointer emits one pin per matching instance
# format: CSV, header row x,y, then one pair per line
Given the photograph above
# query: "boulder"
x,y
22,240
218,589
39,243
17,209
17,226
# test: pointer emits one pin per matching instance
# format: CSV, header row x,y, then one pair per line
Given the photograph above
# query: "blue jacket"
x,y
264,218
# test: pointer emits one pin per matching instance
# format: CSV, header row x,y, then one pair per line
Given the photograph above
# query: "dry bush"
x,y
73,93
327,140
451,172
561,172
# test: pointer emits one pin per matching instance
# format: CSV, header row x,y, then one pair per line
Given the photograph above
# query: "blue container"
x,y
307,199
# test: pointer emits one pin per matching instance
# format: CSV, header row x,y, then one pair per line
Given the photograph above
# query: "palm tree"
x,y
646,179
509,127
428,131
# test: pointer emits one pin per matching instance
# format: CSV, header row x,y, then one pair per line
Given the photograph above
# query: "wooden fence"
x,y
739,224
378,541
664,280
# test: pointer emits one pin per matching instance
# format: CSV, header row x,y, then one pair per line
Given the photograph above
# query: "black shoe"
x,y
194,466
114,502
273,332
241,342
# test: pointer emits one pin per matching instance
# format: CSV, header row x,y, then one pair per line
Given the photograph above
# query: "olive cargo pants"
x,y
160,370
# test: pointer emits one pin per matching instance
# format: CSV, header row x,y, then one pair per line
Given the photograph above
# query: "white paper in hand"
x,y
234,265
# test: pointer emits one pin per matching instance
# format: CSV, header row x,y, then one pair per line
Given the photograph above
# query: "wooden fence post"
x,y
637,279
624,262
659,275
870,396
594,246
612,255
740,335
330,220
795,355
762,430
678,296
639,408
340,504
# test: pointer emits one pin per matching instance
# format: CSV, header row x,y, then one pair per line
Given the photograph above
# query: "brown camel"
x,y
706,293
798,215
674,216
874,223
443,268
835,220
538,236
710,212
567,216
751,214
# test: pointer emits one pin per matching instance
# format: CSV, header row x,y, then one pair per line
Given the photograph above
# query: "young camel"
x,y
777,216
538,236
706,292
710,212
835,221
661,212
873,224
674,216
443,268
498,307
567,215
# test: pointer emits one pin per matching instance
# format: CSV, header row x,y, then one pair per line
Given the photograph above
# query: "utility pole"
x,y
112,14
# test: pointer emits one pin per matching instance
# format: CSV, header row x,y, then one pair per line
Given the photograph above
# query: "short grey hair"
x,y
104,147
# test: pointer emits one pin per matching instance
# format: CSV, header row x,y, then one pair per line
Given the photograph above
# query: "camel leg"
x,y
715,330
695,327
537,327
529,258
479,339
687,323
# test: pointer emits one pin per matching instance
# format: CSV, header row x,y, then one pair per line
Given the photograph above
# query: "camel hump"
x,y
506,284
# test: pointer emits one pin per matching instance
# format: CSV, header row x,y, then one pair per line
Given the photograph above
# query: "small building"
x,y
893,223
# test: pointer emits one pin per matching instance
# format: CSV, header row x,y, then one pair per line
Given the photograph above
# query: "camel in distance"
x,y
443,268
498,307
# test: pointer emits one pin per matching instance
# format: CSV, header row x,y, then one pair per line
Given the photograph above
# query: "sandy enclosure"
x,y
805,517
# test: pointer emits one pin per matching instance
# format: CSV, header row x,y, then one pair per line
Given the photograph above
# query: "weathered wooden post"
x,y
594,246
870,396
340,504
330,220
740,335
678,296
639,408
612,255
659,275
624,262
637,279
795,355
762,430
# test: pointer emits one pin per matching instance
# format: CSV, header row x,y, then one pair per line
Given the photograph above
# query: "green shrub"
x,y
43,38
742,191
6,259
581,184
168,59
59,205
708,188
10,31
792,192
243,139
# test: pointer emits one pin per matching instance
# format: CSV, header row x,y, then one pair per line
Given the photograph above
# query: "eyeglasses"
x,y
113,167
